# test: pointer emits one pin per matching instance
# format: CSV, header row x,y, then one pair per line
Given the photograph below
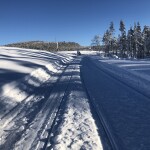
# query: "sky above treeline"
x,y
67,20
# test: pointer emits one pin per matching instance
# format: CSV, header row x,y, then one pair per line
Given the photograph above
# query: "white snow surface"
x,y
26,111
22,68
77,129
135,73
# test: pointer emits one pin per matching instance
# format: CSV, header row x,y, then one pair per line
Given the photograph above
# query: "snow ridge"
x,y
140,82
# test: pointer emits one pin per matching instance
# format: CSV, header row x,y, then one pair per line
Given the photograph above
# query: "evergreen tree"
x,y
115,46
140,48
138,42
105,41
146,40
130,42
122,39
111,37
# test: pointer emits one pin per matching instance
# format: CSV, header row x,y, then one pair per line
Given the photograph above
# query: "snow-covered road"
x,y
64,102
48,109
126,112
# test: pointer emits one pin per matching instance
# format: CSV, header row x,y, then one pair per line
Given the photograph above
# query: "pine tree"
x,y
146,40
115,46
130,42
138,41
122,39
105,41
111,37
140,53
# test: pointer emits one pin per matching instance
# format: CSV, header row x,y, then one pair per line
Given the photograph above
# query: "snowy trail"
x,y
55,115
27,119
74,103
126,112
76,128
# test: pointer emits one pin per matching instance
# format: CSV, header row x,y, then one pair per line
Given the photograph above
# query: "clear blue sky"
x,y
67,20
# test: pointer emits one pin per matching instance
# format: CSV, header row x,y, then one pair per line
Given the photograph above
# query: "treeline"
x,y
49,46
131,43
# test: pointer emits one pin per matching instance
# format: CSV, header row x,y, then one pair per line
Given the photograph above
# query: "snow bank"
x,y
134,73
36,67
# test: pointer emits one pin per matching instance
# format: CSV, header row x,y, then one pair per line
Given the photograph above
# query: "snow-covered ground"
x,y
134,73
83,52
61,101
119,98
22,71
15,63
140,68
35,86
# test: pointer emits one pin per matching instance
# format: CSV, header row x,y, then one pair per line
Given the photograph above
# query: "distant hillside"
x,y
49,46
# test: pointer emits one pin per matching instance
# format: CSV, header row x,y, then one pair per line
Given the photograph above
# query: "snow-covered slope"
x,y
22,70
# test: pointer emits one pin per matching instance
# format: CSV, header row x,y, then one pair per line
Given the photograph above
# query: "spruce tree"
x,y
140,48
105,41
146,40
130,42
111,37
122,39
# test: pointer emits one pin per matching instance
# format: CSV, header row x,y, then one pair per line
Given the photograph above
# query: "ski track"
x,y
27,125
23,117
124,108
28,115
50,107
76,128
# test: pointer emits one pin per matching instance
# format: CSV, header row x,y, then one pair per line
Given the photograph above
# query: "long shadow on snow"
x,y
31,111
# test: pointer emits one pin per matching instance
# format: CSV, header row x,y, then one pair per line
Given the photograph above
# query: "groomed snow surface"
x,y
44,103
76,129
134,73
33,85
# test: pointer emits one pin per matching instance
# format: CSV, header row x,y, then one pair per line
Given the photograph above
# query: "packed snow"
x,y
23,70
33,84
134,73
77,129
125,107
45,104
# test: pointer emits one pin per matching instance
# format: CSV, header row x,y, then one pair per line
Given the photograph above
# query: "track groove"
x,y
57,113
101,118
44,109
